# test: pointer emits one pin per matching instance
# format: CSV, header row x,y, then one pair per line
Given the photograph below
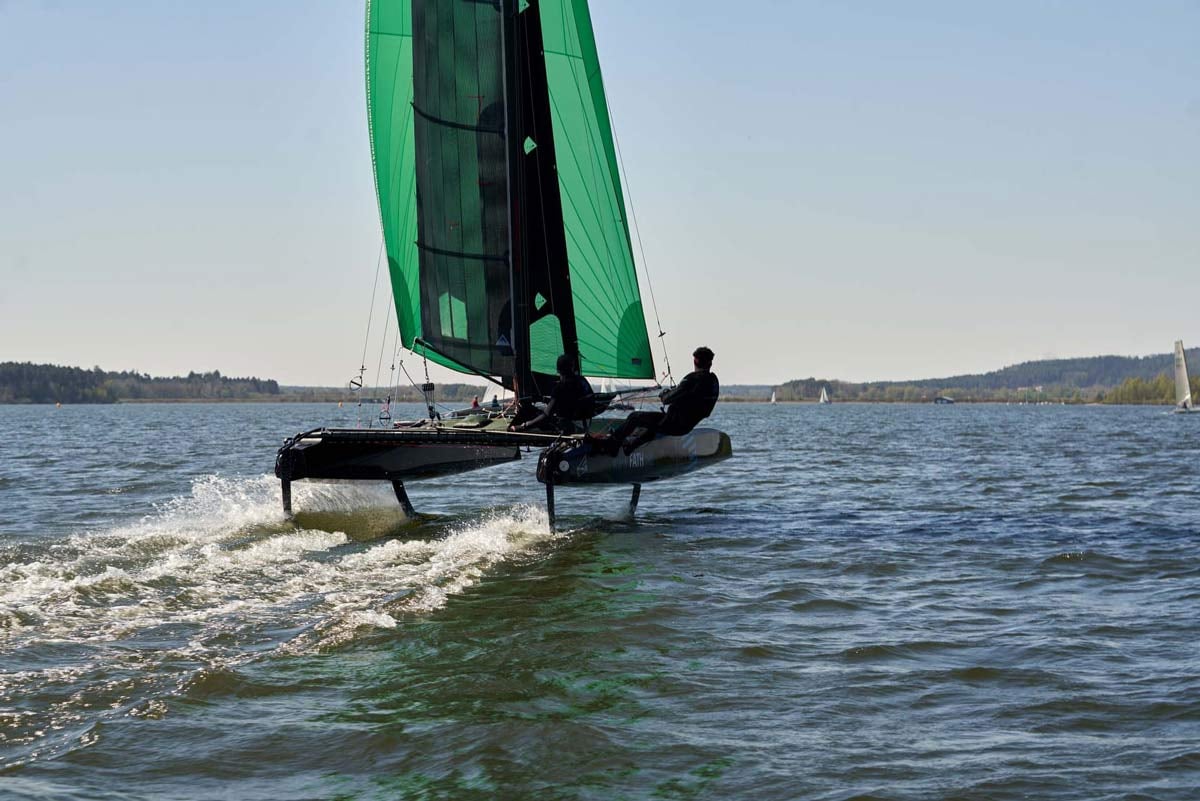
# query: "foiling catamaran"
x,y
507,243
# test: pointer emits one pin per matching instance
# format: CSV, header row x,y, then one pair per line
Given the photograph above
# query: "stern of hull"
x,y
665,457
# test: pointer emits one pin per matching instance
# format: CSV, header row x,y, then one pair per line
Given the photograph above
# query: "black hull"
x,y
426,451
576,463
391,455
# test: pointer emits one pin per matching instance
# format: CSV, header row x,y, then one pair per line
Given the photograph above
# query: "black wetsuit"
x,y
690,402
571,400
687,405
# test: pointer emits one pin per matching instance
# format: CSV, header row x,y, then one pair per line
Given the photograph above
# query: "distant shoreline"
x,y
1111,380
738,401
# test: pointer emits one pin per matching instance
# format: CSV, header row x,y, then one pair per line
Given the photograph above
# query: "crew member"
x,y
687,404
571,401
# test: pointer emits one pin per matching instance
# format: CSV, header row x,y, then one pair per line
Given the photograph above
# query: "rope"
x,y
371,310
382,346
427,389
362,370
412,382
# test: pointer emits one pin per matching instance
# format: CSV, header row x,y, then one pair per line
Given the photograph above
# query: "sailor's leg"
x,y
550,503
638,438
285,487
612,445
402,496
633,500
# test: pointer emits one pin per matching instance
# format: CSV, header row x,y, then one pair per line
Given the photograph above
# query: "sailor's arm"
x,y
546,413
686,387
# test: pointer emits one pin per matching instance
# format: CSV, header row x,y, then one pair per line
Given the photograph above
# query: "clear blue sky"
x,y
855,190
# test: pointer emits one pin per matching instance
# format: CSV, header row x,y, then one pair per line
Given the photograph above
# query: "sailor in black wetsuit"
x,y
687,404
571,400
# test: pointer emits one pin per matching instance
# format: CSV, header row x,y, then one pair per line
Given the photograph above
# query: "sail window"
x,y
529,145
452,312
545,344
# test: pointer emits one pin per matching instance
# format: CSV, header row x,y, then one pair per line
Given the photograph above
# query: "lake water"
x,y
865,602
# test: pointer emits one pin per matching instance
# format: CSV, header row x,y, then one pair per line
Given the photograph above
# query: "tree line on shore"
x,y
1159,390
1097,379
1101,379
24,382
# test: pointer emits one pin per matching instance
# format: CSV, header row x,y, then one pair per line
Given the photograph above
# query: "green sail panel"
x,y
389,66
435,88
610,323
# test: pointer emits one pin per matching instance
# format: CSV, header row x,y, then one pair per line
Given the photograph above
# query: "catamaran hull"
x,y
406,453
577,462
386,455
665,457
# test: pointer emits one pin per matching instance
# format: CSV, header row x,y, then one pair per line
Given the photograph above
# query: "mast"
x,y
520,342
542,302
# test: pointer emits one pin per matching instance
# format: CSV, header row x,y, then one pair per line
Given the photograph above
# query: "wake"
x,y
223,564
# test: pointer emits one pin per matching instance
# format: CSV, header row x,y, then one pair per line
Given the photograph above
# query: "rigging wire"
x,y
427,390
362,370
395,167
382,347
399,362
371,309
396,362
418,387
385,415
641,249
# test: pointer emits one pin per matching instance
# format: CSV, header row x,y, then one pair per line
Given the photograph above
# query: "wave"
x,y
913,649
226,556
218,578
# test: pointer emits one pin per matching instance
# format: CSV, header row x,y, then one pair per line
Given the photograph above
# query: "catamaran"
x,y
1183,390
507,243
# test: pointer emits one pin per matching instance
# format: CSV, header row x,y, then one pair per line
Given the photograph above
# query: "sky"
x,y
860,190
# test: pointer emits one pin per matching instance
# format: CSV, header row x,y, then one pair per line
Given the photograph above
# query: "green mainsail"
x,y
436,86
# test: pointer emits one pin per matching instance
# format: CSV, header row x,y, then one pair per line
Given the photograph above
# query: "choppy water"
x,y
866,602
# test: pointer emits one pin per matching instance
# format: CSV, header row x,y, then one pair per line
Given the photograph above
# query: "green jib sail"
x,y
435,86
608,306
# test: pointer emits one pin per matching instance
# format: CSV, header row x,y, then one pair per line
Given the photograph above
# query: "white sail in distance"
x,y
1183,390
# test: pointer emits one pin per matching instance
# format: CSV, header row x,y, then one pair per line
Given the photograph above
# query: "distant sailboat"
x,y
824,397
772,396
1183,390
